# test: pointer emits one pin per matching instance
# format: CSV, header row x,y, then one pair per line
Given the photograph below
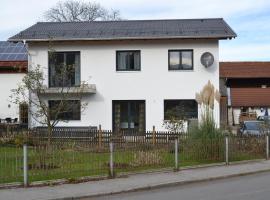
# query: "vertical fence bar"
x,y
154,135
25,166
267,147
111,160
227,150
176,154
99,137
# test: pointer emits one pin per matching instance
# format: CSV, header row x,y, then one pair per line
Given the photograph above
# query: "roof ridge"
x,y
135,20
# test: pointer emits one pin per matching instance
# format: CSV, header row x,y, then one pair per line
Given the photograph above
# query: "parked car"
x,y
264,118
252,128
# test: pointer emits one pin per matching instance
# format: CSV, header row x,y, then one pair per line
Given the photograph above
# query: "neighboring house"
x,y
138,69
13,66
245,88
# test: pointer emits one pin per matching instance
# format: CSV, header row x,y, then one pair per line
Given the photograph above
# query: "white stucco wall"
x,y
7,83
153,83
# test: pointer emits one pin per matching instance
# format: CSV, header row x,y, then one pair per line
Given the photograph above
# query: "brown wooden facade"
x,y
247,85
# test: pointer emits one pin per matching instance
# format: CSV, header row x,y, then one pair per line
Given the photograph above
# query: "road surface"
x,y
251,187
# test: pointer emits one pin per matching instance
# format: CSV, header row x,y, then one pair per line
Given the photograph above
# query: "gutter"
x,y
117,39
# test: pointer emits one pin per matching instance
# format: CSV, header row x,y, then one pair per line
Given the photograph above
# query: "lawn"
x,y
72,164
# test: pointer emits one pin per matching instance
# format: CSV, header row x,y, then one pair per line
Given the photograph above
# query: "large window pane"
x,y
124,115
64,69
137,60
180,109
128,61
65,110
186,59
174,60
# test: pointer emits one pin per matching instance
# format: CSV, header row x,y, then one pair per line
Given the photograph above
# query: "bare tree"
x,y
76,11
33,90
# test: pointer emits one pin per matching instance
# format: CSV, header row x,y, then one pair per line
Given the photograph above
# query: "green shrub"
x,y
206,138
23,138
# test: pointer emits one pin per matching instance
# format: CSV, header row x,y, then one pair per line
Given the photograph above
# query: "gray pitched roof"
x,y
10,51
128,29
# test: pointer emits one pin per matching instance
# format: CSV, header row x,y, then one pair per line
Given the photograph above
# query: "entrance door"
x,y
129,115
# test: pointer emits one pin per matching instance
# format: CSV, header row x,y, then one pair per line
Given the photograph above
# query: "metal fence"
x,y
97,153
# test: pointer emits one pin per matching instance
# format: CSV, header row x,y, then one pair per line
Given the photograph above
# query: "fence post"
x,y
227,149
99,137
176,154
154,135
25,166
267,147
111,160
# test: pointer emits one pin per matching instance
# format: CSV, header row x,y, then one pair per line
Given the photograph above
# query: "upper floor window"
x,y
128,60
180,59
64,69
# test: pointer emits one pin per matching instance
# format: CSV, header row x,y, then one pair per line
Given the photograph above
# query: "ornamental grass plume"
x,y
206,99
208,95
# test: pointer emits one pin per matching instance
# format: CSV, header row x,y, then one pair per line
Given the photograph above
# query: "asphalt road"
x,y
252,187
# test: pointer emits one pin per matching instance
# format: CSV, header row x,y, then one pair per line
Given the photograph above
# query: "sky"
x,y
250,19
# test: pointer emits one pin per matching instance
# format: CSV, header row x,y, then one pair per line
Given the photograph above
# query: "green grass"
x,y
71,164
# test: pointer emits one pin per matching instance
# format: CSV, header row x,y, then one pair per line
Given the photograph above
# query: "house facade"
x,y
13,66
246,88
136,70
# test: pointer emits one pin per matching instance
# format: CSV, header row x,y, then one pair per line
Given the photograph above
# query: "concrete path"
x,y
133,182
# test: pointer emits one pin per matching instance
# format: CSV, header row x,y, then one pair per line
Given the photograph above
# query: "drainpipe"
x,y
29,95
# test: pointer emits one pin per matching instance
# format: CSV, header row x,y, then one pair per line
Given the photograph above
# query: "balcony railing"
x,y
83,89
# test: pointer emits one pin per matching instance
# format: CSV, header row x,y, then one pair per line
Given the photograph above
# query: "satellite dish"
x,y
207,59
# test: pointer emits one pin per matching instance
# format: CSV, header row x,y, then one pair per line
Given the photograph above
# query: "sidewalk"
x,y
133,182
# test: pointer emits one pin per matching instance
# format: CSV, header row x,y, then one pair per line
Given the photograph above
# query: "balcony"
x,y
85,89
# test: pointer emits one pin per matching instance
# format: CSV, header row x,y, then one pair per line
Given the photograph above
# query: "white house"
x,y
137,69
13,66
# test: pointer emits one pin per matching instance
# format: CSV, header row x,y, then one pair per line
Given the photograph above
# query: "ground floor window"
x,y
180,109
129,115
65,110
23,110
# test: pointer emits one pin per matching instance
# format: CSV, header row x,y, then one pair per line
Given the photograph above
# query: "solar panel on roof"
x,y
12,56
12,51
21,57
3,57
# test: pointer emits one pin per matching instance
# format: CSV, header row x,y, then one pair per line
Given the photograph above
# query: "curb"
x,y
161,185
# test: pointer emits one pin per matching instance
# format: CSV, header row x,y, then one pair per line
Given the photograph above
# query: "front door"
x,y
129,115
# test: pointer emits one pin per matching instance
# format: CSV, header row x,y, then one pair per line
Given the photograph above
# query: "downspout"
x,y
29,95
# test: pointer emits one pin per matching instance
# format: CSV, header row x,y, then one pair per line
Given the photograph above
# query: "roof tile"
x,y
244,69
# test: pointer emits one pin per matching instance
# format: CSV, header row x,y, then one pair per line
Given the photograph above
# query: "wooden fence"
x,y
100,137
